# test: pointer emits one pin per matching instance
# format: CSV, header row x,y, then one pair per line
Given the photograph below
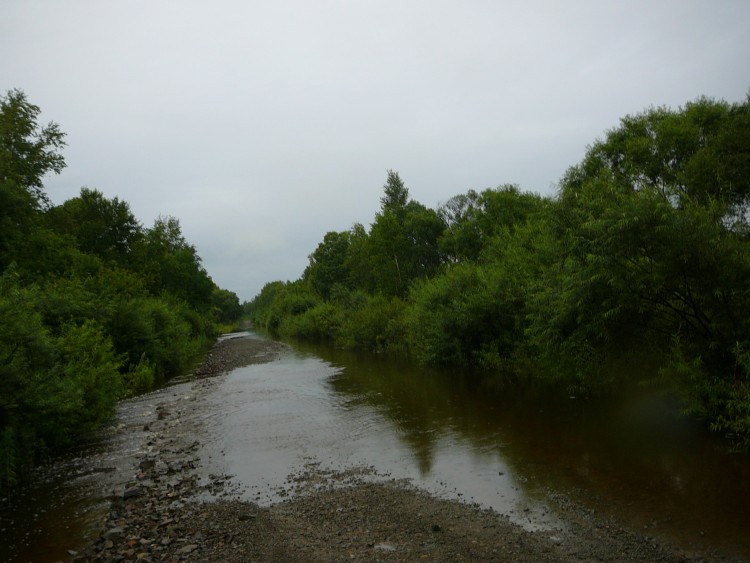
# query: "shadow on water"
x,y
632,457
47,519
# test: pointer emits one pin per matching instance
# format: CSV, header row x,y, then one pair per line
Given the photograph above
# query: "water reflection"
x,y
277,417
633,457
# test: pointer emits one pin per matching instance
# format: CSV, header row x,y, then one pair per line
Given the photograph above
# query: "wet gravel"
x,y
169,509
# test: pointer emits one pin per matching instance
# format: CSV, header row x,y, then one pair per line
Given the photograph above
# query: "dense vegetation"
x,y
637,271
93,306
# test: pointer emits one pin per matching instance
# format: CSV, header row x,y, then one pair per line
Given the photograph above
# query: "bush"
x,y
376,325
321,322
139,378
469,315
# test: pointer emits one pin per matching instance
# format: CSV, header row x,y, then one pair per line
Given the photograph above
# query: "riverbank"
x,y
169,509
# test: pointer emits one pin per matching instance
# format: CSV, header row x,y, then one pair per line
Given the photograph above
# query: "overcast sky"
x,y
263,125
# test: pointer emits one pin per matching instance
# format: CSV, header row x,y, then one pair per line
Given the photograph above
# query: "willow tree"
x,y
654,254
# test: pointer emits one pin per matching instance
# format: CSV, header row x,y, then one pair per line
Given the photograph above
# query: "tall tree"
x,y
654,254
327,267
403,241
169,263
28,151
395,193
700,152
473,219
104,227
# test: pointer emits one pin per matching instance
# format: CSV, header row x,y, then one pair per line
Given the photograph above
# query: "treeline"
x,y
638,270
93,306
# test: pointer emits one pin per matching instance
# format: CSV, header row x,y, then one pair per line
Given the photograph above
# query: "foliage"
x,y
652,255
642,258
226,305
328,268
28,152
402,247
52,387
92,305
102,227
169,263
473,219
376,324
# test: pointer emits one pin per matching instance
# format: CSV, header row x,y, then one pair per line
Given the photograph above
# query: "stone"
x,y
132,492
246,517
188,549
114,533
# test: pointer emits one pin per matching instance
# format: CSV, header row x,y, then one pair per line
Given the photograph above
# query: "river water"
x,y
633,458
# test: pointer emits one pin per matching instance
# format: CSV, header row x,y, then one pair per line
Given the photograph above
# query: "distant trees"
x,y
642,259
93,306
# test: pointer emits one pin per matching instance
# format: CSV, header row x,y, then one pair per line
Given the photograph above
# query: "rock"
x,y
246,517
187,550
114,534
132,492
146,464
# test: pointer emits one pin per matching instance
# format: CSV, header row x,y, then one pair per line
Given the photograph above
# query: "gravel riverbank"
x,y
169,509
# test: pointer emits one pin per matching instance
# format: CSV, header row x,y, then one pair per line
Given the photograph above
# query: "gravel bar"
x,y
169,510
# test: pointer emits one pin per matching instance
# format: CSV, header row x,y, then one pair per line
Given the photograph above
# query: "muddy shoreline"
x,y
169,509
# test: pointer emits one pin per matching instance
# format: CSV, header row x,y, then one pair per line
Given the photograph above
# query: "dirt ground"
x,y
157,514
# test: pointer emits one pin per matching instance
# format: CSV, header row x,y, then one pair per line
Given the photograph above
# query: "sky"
x,y
261,126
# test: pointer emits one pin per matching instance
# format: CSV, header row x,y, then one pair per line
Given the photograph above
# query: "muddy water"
x,y
634,458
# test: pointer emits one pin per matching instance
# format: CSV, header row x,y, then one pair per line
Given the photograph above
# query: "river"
x,y
634,458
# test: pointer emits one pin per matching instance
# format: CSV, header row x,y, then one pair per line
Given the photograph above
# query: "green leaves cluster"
x,y
638,270
93,306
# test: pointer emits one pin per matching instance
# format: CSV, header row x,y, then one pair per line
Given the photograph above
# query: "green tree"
x,y
473,219
168,262
327,268
226,305
395,193
103,227
699,152
652,257
403,241
28,151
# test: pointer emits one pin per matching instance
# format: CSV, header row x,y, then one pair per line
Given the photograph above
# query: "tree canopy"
x,y
642,258
93,306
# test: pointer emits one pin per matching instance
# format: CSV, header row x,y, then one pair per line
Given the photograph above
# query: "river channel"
x,y
635,458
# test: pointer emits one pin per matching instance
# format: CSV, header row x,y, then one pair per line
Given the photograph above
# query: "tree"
x,y
226,305
395,193
327,267
699,152
462,238
473,219
103,227
28,152
169,263
654,256
403,240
